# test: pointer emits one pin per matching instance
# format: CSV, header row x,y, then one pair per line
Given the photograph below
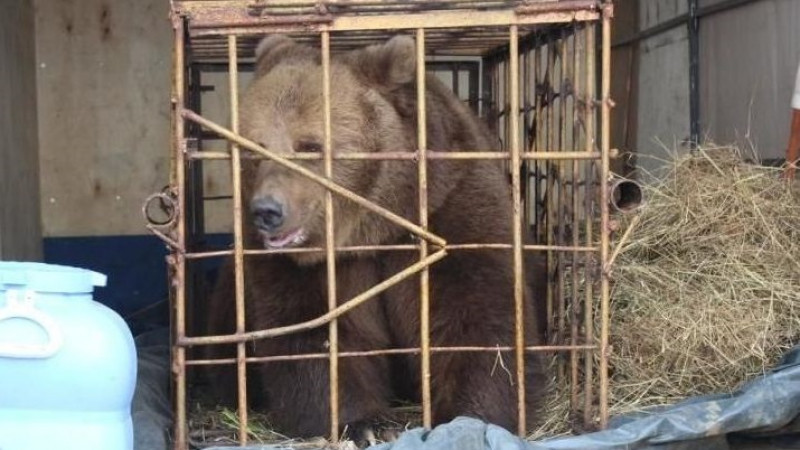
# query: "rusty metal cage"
x,y
542,84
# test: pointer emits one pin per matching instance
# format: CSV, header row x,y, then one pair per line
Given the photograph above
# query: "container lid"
x,y
42,277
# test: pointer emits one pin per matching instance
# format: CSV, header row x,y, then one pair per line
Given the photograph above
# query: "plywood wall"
x,y
20,231
103,72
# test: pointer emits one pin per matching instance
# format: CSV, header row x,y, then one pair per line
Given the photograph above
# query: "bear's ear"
x,y
388,65
275,49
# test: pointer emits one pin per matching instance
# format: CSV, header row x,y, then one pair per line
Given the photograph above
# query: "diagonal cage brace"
x,y
325,318
323,181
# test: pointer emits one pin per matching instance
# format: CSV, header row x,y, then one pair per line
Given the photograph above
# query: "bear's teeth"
x,y
294,238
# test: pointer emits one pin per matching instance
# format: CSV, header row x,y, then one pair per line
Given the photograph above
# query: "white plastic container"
x,y
67,363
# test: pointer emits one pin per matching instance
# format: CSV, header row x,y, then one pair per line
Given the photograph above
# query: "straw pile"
x,y
706,287
219,426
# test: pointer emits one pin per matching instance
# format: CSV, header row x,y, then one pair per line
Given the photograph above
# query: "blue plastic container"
x,y
67,363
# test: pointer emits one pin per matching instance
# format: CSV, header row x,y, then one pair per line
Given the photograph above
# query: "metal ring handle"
x,y
166,203
25,309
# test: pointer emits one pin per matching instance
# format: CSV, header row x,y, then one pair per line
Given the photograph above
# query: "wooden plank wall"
x,y
103,71
20,223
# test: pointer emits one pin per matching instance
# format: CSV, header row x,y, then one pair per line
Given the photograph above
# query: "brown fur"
x,y
373,109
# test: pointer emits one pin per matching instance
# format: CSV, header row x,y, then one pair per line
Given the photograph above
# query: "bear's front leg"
x,y
472,304
297,392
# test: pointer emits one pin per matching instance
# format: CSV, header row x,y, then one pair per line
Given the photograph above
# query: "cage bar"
x,y
424,289
513,58
238,241
413,156
574,189
330,260
589,122
605,139
178,261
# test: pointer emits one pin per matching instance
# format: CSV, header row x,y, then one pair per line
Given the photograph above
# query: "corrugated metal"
x,y
748,60
663,103
748,63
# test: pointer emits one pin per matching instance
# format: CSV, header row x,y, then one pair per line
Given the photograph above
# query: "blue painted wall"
x,y
135,266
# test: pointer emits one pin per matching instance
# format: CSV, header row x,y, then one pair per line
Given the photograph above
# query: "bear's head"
x,y
282,110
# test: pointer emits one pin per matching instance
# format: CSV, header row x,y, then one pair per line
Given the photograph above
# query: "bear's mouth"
x,y
290,239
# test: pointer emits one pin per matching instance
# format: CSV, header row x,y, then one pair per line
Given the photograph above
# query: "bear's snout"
x,y
268,213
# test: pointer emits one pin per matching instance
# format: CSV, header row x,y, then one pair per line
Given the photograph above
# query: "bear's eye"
x,y
308,147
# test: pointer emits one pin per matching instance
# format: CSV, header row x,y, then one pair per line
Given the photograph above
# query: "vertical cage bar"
x,y
574,221
456,75
424,303
238,240
179,171
588,199
497,101
195,211
502,81
694,74
561,200
552,273
513,117
526,133
538,139
333,329
605,114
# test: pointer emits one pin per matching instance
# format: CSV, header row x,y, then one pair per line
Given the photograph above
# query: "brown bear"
x,y
374,109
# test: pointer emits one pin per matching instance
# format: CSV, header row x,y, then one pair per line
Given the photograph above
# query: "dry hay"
x,y
212,427
706,286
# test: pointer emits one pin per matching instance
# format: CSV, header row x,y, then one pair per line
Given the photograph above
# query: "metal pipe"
x,y
589,118
526,131
178,169
238,241
412,156
232,17
626,195
605,147
561,197
422,168
391,351
694,74
538,138
513,90
549,193
574,190
330,256
375,248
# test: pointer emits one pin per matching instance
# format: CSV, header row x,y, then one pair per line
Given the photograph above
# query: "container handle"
x,y
24,308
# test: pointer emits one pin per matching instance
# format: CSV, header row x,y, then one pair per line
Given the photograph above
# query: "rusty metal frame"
x,y
235,21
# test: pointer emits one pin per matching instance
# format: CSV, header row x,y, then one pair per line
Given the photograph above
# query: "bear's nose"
x,y
268,213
